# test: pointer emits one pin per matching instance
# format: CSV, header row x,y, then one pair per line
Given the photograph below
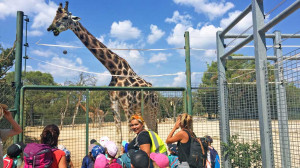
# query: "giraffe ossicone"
x,y
122,73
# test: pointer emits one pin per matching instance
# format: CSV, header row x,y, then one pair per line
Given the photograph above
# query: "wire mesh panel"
x,y
205,114
285,121
6,97
69,111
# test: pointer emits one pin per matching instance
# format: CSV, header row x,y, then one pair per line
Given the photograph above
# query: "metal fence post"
x,y
263,100
223,110
18,67
188,72
87,102
281,104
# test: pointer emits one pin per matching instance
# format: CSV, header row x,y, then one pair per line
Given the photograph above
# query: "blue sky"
x,y
135,24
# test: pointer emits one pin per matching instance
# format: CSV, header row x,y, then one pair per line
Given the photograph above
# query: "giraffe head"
x,y
63,20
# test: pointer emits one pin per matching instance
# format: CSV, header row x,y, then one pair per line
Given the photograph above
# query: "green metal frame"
x,y
88,89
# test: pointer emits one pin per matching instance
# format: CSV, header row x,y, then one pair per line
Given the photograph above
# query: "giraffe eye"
x,y
65,17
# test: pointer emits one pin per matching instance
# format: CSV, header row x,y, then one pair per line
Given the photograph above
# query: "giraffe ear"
x,y
75,18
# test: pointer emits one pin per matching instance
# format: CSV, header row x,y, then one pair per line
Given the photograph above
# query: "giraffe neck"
x,y
115,64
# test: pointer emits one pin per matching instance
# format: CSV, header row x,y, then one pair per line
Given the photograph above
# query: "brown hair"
x,y
186,121
50,135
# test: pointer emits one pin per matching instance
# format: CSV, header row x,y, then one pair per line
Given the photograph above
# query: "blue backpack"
x,y
214,157
173,161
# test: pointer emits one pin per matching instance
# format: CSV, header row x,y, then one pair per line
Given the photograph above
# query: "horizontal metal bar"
x,y
267,36
253,58
248,58
205,88
237,47
110,88
236,20
281,16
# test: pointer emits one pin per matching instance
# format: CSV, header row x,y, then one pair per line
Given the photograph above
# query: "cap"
x,y
172,148
209,139
103,140
124,143
160,159
111,148
16,149
93,141
97,150
101,161
139,158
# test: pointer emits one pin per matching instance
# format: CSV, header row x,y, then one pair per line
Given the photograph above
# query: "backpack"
x,y
8,162
114,164
38,155
198,151
173,161
214,157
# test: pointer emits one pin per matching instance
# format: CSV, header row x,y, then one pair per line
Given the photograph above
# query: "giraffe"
x,y
97,115
121,71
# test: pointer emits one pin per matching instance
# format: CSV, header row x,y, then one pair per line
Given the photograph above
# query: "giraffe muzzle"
x,y
54,30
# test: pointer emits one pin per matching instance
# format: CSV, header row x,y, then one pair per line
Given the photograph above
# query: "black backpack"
x,y
198,151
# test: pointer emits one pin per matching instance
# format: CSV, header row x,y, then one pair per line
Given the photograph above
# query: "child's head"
x,y
139,159
97,150
103,140
111,149
160,160
172,149
14,150
209,140
124,147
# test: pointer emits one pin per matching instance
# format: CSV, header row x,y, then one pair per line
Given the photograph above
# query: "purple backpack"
x,y
38,155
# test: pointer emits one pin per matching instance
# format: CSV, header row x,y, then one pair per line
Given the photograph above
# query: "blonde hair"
x,y
186,121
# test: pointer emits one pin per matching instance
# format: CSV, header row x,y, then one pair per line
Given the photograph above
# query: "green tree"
x,y
7,57
37,102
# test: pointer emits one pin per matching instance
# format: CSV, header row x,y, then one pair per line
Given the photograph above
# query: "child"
x,y
173,157
124,147
111,151
88,160
139,159
13,157
213,160
68,155
159,160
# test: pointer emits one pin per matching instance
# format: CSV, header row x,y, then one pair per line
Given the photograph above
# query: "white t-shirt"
x,y
3,136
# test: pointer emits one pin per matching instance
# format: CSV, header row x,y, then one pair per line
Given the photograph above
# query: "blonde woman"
x,y
183,137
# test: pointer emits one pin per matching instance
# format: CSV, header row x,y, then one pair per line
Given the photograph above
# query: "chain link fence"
x,y
6,97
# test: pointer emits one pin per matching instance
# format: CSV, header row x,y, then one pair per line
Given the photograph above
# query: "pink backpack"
x,y
38,155
114,164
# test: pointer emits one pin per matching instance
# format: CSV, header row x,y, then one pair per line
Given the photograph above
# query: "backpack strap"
x,y
174,161
136,139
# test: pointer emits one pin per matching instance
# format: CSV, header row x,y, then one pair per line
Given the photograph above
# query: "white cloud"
x,y
79,61
34,33
203,38
43,53
210,9
124,30
160,57
179,80
56,67
103,78
101,38
41,13
133,57
182,19
244,24
155,35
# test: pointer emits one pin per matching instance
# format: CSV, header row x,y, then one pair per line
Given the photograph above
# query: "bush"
x,y
242,154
